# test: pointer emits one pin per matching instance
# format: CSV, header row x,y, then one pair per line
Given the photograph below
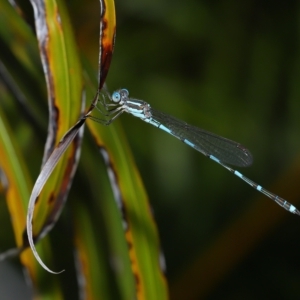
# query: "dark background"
x,y
233,68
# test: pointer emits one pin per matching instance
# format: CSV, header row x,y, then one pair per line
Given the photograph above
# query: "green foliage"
x,y
229,67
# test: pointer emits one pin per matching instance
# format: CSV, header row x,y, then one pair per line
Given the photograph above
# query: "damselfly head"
x,y
119,96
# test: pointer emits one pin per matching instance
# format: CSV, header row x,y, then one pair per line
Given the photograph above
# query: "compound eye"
x,y
125,92
116,97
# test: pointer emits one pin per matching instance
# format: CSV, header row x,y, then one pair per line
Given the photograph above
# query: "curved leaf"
x,y
63,76
40,212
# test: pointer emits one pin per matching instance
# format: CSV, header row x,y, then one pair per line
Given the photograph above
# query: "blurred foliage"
x,y
231,67
117,245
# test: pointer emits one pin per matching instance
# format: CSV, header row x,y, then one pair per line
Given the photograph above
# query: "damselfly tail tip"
x,y
294,210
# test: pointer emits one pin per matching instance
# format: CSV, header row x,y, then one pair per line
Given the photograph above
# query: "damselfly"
x,y
221,150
